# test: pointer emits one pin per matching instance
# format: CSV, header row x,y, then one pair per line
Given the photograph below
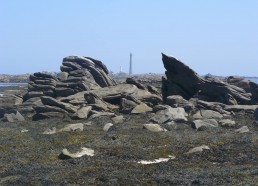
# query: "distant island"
x,y
24,78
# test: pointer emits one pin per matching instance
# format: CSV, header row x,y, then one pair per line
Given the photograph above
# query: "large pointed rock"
x,y
182,80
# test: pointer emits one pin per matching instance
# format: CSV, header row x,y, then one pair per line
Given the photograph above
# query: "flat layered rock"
x,y
142,108
46,100
169,114
205,123
210,114
238,108
154,127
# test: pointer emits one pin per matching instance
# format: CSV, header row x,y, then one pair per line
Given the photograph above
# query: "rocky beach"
x,y
85,126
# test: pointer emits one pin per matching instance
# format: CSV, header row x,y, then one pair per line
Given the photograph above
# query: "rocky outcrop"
x,y
94,71
182,80
41,84
77,74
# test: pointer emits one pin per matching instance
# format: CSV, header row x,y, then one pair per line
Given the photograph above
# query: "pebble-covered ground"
x,y
29,157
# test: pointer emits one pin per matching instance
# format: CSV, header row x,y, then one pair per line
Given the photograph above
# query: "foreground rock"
x,y
13,117
205,123
154,127
243,129
198,149
84,151
169,114
227,123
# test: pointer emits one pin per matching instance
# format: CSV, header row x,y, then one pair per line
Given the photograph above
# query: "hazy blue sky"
x,y
211,36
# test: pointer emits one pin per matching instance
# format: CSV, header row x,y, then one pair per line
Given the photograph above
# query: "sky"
x,y
211,36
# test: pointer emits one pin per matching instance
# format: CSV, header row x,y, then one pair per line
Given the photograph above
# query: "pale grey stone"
x,y
154,127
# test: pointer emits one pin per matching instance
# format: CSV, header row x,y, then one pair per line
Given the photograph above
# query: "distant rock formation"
x,y
182,80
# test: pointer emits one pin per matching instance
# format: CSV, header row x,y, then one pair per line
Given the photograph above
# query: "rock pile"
x,y
81,74
83,88
40,84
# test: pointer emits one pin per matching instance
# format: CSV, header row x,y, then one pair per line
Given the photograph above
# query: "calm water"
x,y
254,80
11,84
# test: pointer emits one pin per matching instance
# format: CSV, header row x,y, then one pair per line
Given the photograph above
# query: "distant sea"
x,y
11,84
253,79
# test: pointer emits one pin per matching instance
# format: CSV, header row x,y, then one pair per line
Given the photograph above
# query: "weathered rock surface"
x,y
198,149
114,94
239,108
154,127
243,129
210,114
179,101
72,127
107,127
117,119
227,123
82,113
205,123
84,151
169,114
142,108
12,117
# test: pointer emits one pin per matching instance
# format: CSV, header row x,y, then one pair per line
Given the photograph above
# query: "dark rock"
x,y
256,114
82,73
72,65
48,115
127,105
136,83
47,108
32,94
96,68
254,92
50,82
66,69
2,112
39,87
64,92
100,64
44,75
46,100
182,80
157,108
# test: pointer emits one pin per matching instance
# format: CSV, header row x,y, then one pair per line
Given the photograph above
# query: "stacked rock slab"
x,y
77,74
81,74
182,80
40,84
